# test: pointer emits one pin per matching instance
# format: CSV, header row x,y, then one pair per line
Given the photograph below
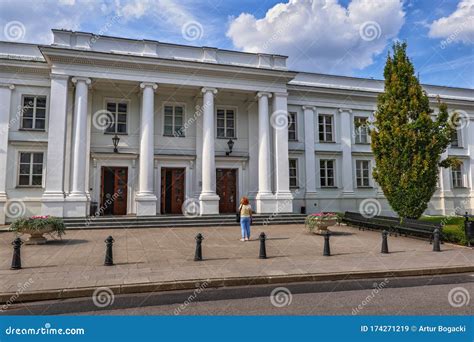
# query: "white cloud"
x,y
458,26
321,35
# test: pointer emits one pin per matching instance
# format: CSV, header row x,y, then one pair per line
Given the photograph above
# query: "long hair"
x,y
244,201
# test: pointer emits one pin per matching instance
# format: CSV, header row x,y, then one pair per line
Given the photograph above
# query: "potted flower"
x,y
319,223
36,226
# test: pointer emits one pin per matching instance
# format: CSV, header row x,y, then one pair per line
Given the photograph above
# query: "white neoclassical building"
x,y
139,127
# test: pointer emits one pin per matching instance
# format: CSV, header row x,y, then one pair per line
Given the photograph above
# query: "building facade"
x,y
95,124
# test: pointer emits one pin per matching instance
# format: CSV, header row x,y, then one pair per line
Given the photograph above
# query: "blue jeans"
x,y
245,225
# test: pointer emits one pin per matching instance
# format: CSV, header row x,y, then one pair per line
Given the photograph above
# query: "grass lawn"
x,y
453,227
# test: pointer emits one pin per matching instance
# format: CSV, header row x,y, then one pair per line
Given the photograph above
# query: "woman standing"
x,y
245,211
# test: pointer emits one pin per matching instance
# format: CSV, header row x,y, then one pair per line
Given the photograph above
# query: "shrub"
x,y
39,223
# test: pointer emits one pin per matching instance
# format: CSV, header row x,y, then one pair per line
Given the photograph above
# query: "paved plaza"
x,y
145,256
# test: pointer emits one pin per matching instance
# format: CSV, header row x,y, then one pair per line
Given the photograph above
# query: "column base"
x,y
209,204
284,202
52,204
146,204
76,205
266,203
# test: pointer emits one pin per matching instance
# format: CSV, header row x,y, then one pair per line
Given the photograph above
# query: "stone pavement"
x,y
145,256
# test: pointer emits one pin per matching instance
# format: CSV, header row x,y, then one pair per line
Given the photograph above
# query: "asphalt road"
x,y
440,295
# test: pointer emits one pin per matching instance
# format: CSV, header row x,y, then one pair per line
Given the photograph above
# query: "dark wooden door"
x,y
114,191
226,188
172,190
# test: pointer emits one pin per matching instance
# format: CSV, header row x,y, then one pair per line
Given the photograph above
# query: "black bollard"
x,y
263,249
16,260
109,257
198,254
384,242
327,250
436,246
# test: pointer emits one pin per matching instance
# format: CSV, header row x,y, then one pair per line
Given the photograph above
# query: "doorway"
x,y
113,198
226,188
172,190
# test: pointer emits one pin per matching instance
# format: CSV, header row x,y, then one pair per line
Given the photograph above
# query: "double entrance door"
x,y
113,198
226,188
172,190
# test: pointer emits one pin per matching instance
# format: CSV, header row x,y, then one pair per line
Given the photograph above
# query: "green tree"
x,y
407,141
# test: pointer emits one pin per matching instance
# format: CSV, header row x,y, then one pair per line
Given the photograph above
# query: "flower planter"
x,y
37,226
322,226
319,223
36,236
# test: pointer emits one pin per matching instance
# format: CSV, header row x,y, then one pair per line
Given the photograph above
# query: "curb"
x,y
5,298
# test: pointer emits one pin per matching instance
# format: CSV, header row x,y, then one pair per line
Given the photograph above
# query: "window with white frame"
x,y
117,117
30,169
457,176
174,119
326,173
362,173
33,113
292,132
361,130
325,124
225,123
293,173
456,138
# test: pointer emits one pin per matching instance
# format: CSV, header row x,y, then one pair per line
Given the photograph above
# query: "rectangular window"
x,y
325,128
326,172
456,172
361,130
456,139
293,173
292,133
174,120
362,173
117,117
33,113
31,169
225,123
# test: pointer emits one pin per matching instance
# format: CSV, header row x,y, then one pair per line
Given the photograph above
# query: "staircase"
x,y
172,221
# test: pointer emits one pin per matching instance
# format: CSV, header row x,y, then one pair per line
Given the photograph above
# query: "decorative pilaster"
x,y
77,199
208,199
52,201
5,100
146,198
310,160
264,199
346,144
279,122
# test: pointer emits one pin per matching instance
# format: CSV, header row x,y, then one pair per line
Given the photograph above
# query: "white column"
x,y
208,200
146,198
279,122
447,192
264,199
310,162
52,202
5,100
346,144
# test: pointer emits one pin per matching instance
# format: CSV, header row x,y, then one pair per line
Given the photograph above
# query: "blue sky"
x,y
326,36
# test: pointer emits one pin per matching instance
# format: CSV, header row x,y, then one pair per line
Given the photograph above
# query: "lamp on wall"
x,y
115,141
230,144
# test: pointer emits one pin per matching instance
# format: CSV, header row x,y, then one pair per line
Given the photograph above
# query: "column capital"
x,y
313,108
348,110
7,85
264,93
76,80
208,89
280,94
143,85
